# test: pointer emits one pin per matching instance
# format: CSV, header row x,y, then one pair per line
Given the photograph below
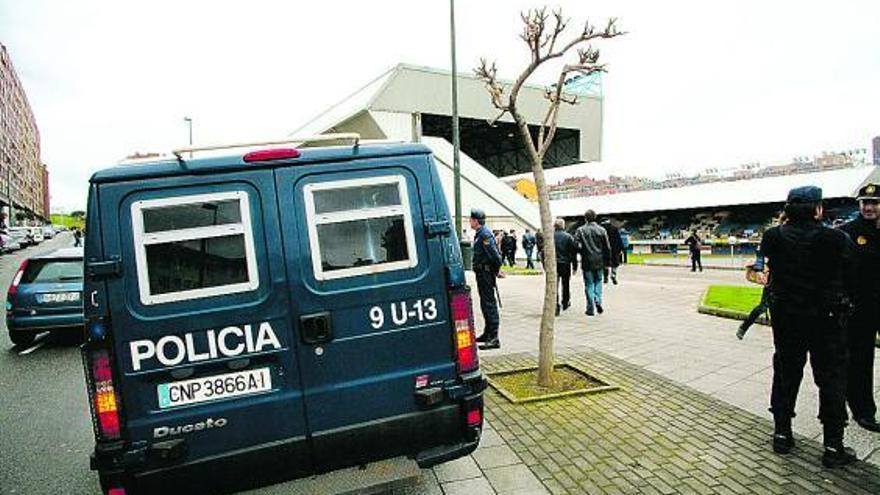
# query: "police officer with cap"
x,y
812,268
486,263
864,323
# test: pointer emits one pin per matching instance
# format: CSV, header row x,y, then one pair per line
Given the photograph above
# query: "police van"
x,y
273,314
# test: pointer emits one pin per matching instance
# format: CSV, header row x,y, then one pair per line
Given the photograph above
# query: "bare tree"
x,y
542,38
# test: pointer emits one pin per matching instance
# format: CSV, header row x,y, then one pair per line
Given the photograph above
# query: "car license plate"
x,y
58,297
214,387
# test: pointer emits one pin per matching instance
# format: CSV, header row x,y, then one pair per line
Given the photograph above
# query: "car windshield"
x,y
53,271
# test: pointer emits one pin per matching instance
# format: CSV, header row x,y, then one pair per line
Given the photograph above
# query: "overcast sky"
x,y
694,84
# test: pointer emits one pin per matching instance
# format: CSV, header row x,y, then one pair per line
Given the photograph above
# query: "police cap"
x,y
869,191
478,214
805,194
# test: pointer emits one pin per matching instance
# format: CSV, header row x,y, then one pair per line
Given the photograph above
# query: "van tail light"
x,y
463,324
116,491
104,400
13,288
475,417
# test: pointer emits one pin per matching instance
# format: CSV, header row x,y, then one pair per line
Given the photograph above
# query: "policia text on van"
x,y
275,314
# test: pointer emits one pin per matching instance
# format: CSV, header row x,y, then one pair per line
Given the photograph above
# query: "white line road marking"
x,y
39,341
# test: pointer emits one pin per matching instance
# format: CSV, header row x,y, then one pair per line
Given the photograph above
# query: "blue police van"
x,y
273,314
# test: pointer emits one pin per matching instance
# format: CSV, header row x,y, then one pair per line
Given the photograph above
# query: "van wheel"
x,y
22,338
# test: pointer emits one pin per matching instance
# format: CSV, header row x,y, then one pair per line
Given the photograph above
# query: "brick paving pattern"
x,y
656,436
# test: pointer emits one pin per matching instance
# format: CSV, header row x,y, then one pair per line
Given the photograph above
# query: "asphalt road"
x,y
45,430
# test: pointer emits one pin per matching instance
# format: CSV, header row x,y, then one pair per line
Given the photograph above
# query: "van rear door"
x,y
200,326
368,294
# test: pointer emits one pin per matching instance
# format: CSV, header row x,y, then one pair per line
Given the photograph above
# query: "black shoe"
x,y
482,338
783,443
558,310
741,331
490,344
614,280
599,309
589,313
835,457
868,423
566,305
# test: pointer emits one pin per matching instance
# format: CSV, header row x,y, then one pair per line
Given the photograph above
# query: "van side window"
x,y
190,247
360,226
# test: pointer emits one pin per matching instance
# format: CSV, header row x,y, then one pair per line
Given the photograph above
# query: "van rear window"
x,y
196,264
360,226
194,246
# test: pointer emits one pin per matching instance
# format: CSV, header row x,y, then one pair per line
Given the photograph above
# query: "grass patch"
x,y
521,385
732,297
518,270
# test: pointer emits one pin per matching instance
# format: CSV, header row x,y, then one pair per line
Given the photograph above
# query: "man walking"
x,y
486,263
616,244
566,263
694,244
811,266
864,324
593,246
528,244
624,239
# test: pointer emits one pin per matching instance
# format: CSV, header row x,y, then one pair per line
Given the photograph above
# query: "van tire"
x,y
22,338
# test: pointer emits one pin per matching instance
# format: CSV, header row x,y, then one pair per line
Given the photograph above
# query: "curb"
x,y
705,267
727,313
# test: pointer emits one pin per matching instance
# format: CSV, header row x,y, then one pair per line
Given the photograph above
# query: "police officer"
x,y
864,323
486,263
812,266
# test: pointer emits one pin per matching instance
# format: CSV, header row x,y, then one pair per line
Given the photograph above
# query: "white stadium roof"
x,y
834,183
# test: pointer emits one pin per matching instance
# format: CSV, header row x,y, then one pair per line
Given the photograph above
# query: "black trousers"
x,y
563,275
758,310
488,303
861,333
797,333
696,261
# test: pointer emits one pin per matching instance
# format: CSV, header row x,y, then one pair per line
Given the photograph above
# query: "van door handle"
x,y
316,328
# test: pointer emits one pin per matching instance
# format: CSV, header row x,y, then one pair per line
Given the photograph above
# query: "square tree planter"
x,y
519,385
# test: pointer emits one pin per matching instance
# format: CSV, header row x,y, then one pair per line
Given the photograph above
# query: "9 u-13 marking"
x,y
401,313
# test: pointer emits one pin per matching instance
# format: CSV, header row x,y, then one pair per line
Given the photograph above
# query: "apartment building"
x,y
23,177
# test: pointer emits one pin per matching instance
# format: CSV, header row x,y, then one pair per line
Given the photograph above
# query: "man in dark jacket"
x,y
528,244
812,267
511,249
863,326
486,263
616,243
566,262
593,246
694,243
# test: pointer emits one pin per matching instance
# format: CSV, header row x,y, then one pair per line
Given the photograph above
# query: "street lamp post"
x,y
456,160
189,122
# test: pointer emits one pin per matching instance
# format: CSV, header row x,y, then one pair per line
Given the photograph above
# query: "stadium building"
x,y
411,103
740,205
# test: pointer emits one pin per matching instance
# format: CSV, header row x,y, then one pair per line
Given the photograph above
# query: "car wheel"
x,y
22,338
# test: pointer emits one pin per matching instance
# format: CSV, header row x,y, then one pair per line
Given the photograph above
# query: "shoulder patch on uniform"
x,y
861,241
486,241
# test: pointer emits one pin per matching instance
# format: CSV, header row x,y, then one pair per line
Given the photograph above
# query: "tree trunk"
x,y
548,315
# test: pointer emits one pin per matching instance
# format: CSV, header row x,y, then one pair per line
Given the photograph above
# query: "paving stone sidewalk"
x,y
655,436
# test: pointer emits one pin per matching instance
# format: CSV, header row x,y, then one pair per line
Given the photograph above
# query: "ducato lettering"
x,y
168,431
193,347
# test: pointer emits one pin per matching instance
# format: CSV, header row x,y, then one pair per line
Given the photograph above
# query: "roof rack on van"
x,y
344,136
